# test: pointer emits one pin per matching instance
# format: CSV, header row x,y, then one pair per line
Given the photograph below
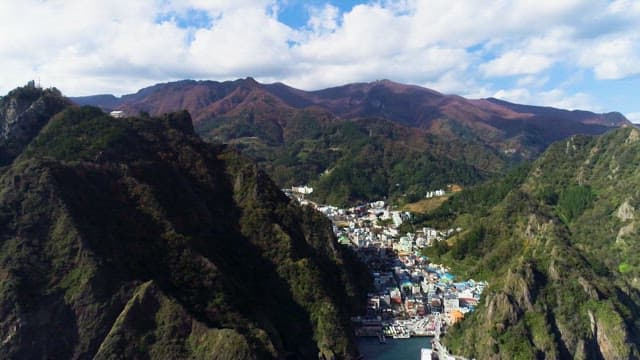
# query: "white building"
x,y
451,304
430,233
302,189
118,114
436,193
397,219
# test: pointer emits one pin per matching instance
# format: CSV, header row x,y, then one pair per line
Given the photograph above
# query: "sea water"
x,y
394,349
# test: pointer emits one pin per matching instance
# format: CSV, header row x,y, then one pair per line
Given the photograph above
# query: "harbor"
x,y
394,349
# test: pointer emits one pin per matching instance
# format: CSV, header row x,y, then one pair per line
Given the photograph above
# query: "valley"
x,y
412,297
553,239
149,240
320,180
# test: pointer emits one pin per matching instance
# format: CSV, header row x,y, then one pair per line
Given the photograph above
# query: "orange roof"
x,y
457,315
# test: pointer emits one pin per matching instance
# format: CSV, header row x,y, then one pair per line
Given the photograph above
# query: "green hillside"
x,y
132,238
352,161
559,251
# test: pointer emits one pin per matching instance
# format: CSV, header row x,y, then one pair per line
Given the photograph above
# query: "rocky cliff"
x,y
23,112
559,252
132,238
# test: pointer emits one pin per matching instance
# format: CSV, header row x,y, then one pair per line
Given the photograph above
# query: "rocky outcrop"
x,y
626,211
23,112
562,287
152,323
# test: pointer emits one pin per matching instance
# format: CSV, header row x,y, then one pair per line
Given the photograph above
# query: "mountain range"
x,y
135,238
392,129
498,122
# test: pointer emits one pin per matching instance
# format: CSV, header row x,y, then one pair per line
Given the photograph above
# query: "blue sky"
x,y
295,13
567,53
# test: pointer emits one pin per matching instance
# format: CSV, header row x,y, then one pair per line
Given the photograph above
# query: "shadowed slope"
x,y
132,238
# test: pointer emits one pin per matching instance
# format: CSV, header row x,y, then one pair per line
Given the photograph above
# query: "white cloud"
x,y
613,57
465,47
560,99
554,42
516,63
456,82
532,81
323,20
245,41
625,8
517,95
72,44
634,117
557,98
366,31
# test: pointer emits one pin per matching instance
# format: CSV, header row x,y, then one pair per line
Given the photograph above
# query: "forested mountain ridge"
x,y
559,252
132,238
296,135
496,122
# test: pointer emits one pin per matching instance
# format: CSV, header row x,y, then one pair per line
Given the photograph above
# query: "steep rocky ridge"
x,y
564,280
131,238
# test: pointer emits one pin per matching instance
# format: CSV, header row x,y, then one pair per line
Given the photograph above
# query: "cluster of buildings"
x,y
412,297
374,225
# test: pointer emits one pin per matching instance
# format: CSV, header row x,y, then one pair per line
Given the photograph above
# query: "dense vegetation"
x,y
472,202
360,160
558,249
132,238
364,141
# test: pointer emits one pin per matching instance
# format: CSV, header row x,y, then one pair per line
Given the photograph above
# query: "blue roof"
x,y
448,276
462,285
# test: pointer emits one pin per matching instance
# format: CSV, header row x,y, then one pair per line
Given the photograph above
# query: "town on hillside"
x,y
412,296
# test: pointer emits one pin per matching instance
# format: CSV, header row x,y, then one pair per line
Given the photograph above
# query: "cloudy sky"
x,y
566,53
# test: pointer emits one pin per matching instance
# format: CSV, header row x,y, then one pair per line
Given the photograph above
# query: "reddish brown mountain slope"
x,y
510,128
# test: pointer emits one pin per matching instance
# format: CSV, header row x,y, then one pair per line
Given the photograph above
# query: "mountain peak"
x,y
23,112
250,80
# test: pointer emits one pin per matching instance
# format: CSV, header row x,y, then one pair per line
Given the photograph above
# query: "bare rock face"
x,y
624,232
634,136
502,310
560,289
626,211
23,113
626,214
